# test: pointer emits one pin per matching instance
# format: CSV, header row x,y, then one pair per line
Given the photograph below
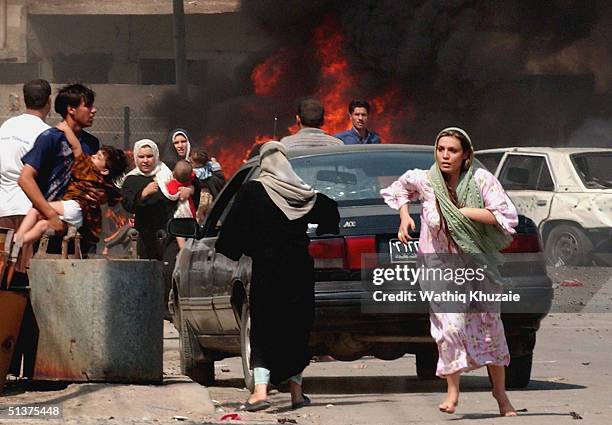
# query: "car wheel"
x,y
567,245
518,372
426,364
202,372
245,346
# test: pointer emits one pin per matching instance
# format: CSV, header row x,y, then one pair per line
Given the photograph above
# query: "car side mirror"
x,y
184,227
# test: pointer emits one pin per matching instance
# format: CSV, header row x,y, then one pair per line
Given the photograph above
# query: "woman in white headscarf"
x,y
268,222
145,195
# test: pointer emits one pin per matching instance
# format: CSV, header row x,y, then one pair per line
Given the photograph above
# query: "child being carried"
x,y
77,208
183,177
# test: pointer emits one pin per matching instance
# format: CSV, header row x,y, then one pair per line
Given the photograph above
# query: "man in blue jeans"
x,y
359,134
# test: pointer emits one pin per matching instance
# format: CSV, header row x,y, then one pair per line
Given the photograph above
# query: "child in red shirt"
x,y
183,177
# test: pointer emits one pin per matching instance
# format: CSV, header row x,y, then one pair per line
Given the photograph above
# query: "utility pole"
x,y
180,57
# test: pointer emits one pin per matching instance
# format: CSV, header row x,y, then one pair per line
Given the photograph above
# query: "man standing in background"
x,y
17,136
309,119
359,111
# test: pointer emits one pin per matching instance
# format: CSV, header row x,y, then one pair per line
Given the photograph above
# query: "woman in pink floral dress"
x,y
464,210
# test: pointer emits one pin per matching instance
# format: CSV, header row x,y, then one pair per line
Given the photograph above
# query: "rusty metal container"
x,y
99,320
12,305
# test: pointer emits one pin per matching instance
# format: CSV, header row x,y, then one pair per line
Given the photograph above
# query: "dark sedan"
x,y
209,299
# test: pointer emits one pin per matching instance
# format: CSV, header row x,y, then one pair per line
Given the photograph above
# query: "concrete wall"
x,y
126,7
224,41
111,99
13,29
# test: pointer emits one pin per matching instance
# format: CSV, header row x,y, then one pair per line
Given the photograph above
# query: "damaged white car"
x,y
567,192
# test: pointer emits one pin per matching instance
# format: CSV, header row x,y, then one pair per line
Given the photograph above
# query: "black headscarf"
x,y
169,156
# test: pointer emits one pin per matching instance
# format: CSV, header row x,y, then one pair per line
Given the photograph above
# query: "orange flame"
x,y
336,78
338,85
266,75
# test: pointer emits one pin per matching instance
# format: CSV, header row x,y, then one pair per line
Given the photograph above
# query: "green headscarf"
x,y
470,236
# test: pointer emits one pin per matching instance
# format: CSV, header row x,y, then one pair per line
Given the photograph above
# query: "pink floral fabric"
x,y
466,341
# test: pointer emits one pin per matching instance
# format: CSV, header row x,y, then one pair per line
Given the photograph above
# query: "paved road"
x,y
572,373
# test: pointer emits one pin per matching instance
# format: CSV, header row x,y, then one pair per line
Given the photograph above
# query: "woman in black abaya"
x,y
268,222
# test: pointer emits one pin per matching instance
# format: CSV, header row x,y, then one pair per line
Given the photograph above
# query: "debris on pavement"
x,y
180,418
286,421
575,415
329,405
231,417
586,363
571,283
360,366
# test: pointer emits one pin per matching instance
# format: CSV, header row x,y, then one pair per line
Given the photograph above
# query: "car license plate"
x,y
400,252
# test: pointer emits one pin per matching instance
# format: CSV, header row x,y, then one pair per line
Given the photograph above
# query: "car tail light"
x,y
342,253
524,242
327,253
355,247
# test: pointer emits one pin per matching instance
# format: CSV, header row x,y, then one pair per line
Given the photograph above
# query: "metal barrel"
x,y
99,320
12,305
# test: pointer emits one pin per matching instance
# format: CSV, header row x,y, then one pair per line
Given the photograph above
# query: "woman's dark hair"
x,y
72,95
116,161
467,147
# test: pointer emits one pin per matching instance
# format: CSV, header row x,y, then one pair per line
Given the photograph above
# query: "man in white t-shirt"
x,y
17,136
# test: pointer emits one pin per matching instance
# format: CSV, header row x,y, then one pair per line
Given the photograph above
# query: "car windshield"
x,y
356,178
594,169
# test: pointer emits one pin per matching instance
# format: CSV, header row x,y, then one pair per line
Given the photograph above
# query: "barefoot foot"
x,y
449,405
505,407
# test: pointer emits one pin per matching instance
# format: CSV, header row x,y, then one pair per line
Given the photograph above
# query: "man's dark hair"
x,y
358,103
36,93
311,113
116,161
71,96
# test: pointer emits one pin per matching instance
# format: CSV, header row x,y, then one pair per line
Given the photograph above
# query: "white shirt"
x,y
17,136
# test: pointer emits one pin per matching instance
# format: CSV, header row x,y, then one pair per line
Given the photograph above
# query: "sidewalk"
x,y
97,403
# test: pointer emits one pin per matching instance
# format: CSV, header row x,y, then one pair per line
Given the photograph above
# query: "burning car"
x,y
209,299
567,192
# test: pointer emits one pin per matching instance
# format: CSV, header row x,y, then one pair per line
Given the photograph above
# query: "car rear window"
x,y
594,169
356,178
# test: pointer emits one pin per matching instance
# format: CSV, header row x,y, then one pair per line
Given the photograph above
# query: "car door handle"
x,y
541,202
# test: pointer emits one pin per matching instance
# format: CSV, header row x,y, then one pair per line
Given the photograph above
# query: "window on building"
x,y
161,71
91,68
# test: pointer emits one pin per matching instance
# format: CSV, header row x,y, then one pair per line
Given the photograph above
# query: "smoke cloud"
x,y
512,72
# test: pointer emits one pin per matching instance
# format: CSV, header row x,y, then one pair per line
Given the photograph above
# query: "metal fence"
x,y
118,127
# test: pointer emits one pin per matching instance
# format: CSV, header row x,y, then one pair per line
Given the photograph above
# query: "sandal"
x,y
254,407
304,403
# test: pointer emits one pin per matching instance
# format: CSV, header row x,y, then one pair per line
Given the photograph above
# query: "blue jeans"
x,y
262,376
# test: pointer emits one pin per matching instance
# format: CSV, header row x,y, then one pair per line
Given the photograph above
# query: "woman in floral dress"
x,y
465,210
